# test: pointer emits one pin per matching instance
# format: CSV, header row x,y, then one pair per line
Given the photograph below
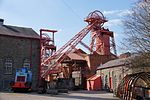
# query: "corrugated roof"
x,y
18,31
114,63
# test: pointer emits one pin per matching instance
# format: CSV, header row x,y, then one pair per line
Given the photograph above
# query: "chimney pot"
x,y
1,21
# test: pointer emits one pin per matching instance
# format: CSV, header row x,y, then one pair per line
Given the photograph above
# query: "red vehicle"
x,y
23,80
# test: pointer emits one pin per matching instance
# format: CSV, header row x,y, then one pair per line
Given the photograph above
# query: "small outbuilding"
x,y
94,83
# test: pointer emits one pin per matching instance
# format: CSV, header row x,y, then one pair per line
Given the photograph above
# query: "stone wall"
x,y
113,76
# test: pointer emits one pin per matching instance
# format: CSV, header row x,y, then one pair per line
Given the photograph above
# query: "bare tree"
x,y
137,32
140,60
137,27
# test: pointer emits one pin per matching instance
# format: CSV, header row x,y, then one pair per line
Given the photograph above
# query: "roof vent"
x,y
1,21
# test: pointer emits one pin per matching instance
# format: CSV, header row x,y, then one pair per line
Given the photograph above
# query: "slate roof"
x,y
114,63
9,30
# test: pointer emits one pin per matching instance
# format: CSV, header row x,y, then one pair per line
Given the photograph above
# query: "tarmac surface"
x,y
72,95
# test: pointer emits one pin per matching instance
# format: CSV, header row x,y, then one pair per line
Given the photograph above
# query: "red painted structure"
x,y
135,87
23,80
20,86
102,36
94,83
47,46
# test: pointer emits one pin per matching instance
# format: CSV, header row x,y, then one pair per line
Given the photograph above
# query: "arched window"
x,y
106,82
8,66
112,73
26,63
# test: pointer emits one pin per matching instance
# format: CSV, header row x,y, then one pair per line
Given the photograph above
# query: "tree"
x,y
140,60
137,32
137,27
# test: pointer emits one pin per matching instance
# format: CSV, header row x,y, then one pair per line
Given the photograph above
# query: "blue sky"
x,y
66,16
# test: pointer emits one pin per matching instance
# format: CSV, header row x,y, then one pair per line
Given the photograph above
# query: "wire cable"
x,y
73,11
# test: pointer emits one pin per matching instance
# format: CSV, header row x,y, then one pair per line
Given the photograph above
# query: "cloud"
x,y
111,12
60,30
119,13
124,13
113,22
116,17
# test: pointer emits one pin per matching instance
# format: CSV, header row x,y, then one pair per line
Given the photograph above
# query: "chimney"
x,y
1,21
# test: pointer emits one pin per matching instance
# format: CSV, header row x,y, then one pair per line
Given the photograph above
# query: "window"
x,y
106,82
26,63
8,66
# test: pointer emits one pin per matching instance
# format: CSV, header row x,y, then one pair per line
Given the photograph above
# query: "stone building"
x,y
113,72
19,47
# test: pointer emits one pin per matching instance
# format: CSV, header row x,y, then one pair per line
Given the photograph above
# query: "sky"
x,y
66,16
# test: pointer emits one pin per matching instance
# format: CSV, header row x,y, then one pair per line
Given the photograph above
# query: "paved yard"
x,y
73,95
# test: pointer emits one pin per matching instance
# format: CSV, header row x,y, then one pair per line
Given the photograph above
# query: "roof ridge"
x,y
18,26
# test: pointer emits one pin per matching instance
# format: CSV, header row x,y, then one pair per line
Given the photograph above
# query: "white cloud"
x,y
119,13
60,30
111,12
113,22
124,13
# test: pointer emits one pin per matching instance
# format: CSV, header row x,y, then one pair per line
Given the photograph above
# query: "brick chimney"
x,y
1,22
